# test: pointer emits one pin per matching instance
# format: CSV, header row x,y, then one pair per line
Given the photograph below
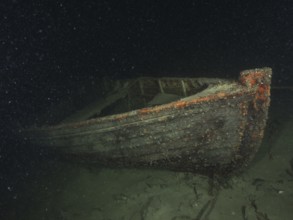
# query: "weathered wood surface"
x,y
220,128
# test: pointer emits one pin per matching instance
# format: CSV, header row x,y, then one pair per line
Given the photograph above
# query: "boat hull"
x,y
216,131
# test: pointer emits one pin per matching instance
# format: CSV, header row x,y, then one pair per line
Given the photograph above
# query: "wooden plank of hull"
x,y
219,130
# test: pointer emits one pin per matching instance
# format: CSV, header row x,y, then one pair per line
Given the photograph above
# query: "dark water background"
x,y
50,50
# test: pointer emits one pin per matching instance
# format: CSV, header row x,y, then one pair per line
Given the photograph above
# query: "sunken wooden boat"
x,y
187,124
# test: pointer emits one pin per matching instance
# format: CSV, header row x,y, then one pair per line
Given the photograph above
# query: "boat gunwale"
x,y
247,83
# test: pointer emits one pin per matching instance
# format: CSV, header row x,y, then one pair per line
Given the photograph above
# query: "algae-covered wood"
x,y
206,124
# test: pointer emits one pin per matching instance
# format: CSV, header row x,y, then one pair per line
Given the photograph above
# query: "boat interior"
x,y
140,93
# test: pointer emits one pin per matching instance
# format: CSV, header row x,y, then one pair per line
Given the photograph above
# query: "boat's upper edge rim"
x,y
239,89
